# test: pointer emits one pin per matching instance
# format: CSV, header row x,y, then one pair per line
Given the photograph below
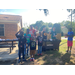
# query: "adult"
x,y
44,34
32,31
53,34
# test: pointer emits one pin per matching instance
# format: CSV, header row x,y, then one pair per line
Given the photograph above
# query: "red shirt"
x,y
32,31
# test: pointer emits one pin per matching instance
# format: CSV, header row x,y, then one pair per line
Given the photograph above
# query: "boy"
x,y
32,49
28,37
40,42
22,42
70,39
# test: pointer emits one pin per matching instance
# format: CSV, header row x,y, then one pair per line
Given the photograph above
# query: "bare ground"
x,y
48,58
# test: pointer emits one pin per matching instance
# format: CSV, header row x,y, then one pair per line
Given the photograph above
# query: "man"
x,y
70,39
44,34
32,31
53,34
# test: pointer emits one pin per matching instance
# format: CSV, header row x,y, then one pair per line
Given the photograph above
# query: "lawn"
x,y
53,57
74,37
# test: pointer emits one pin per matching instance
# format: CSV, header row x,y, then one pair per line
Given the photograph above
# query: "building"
x,y
9,26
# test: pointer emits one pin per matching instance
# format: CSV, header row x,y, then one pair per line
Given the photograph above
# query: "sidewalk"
x,y
6,57
63,38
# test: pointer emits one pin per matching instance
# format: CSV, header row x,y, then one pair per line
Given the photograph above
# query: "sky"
x,y
30,16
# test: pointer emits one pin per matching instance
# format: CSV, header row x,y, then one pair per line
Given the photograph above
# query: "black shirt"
x,y
32,45
44,35
22,40
40,40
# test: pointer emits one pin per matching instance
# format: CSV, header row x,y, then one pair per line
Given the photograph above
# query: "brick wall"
x,y
10,29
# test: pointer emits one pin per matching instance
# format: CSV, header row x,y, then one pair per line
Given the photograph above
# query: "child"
x,y
40,42
22,42
32,49
70,39
28,37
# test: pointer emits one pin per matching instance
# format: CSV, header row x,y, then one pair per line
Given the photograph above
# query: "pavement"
x,y
63,38
7,58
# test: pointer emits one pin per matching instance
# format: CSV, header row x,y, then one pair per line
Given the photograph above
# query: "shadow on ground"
x,y
50,57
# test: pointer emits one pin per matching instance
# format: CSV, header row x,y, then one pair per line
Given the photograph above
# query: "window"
x,y
1,29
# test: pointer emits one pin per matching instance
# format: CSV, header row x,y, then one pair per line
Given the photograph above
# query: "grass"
x,y
74,37
54,57
57,57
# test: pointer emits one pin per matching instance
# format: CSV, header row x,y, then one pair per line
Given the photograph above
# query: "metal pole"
x,y
71,18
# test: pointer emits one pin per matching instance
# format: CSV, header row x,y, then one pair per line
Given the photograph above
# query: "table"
x,y
54,44
5,44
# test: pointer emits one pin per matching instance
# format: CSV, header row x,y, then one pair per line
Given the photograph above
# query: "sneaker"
x,y
37,54
40,54
30,59
33,59
19,61
70,51
66,50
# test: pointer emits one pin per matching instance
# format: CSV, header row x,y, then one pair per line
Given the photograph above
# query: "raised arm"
x,y
17,33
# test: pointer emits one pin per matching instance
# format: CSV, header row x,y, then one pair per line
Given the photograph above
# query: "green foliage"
x,y
46,11
57,27
40,25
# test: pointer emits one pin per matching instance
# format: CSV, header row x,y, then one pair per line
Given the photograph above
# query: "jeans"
x,y
21,50
39,49
25,49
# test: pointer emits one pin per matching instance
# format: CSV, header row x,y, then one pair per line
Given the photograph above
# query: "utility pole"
x,y
71,18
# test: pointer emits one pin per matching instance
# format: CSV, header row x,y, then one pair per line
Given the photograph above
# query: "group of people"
x,y
28,41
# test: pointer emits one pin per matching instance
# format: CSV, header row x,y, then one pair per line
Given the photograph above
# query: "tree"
x,y
46,11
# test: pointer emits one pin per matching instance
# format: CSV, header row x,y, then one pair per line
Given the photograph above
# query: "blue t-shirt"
x,y
27,37
70,38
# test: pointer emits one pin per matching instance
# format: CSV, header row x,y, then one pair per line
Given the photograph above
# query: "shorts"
x,y
32,52
69,43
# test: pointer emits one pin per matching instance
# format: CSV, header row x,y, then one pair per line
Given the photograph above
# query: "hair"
x,y
70,28
27,30
21,32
